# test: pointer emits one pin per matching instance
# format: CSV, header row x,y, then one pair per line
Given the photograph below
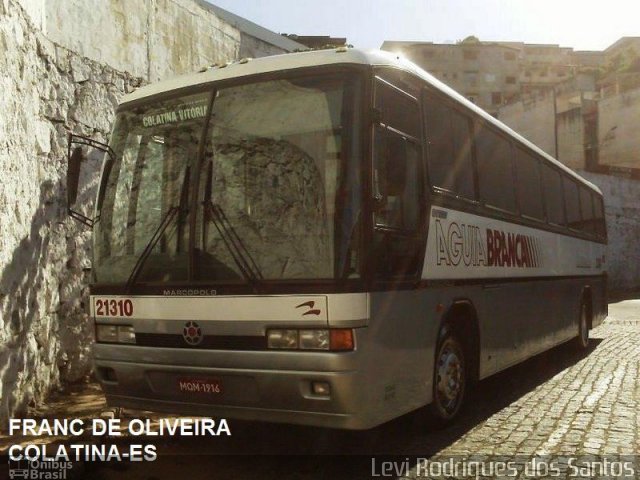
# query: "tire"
x,y
581,342
450,378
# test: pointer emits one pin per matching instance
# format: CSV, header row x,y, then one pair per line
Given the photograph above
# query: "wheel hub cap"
x,y
449,375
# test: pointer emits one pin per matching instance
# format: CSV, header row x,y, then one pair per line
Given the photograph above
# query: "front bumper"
x,y
256,385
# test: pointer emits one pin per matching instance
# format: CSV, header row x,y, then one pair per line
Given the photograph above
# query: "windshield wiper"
x,y
234,244
182,210
137,268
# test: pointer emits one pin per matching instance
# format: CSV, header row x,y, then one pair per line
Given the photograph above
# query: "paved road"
x,y
558,403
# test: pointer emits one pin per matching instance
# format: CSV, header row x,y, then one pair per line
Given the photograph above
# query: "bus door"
x,y
398,308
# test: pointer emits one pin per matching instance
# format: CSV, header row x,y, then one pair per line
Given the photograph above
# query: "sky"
x,y
581,24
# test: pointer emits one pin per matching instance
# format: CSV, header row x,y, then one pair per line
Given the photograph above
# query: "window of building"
x,y
470,54
553,198
495,172
510,80
529,185
572,203
448,134
471,77
496,98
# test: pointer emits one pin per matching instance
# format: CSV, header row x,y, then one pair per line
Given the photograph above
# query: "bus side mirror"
x,y
81,151
73,175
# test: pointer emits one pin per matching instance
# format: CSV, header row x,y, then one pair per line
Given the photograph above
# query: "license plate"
x,y
207,386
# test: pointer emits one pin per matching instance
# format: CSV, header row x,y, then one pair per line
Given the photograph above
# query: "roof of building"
x,y
252,29
620,42
339,56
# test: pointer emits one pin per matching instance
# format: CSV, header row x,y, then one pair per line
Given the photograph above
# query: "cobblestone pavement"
x,y
558,403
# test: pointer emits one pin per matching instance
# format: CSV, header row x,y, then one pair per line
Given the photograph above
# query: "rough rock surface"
x,y
46,92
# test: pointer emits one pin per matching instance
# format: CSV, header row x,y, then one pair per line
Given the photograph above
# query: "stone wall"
x,y
152,39
47,92
622,211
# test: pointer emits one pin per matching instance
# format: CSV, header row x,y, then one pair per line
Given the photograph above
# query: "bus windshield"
x,y
277,182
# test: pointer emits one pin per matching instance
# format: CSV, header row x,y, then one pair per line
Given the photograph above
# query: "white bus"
x,y
330,238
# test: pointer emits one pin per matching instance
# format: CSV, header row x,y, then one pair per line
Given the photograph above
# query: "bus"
x,y
331,238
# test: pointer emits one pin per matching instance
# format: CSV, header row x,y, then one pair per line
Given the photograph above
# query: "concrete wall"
x,y
622,195
47,91
619,129
252,47
152,39
622,210
571,138
533,119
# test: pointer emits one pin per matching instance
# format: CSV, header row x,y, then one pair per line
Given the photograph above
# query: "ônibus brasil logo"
x,y
192,333
469,245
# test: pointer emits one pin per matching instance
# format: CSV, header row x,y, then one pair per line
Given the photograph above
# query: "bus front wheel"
x,y
449,377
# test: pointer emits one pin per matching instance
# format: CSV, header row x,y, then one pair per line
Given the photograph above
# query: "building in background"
x,y
582,107
491,74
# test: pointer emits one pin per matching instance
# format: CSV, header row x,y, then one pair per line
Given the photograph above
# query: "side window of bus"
x,y
586,207
599,216
553,198
528,185
495,171
397,182
397,154
572,203
448,134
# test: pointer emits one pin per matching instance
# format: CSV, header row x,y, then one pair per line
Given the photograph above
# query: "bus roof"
x,y
338,56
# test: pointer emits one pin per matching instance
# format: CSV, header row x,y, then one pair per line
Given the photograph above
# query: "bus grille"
x,y
209,342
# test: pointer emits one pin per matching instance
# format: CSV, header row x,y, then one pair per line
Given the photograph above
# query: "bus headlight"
x,y
334,339
115,333
287,339
314,339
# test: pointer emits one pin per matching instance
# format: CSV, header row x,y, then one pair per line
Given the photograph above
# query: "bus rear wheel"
x,y
581,342
449,378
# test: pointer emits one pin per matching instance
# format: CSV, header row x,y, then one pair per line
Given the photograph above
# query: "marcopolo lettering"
x,y
460,244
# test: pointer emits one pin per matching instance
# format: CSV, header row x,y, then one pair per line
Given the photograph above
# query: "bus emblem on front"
x,y
311,310
192,333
